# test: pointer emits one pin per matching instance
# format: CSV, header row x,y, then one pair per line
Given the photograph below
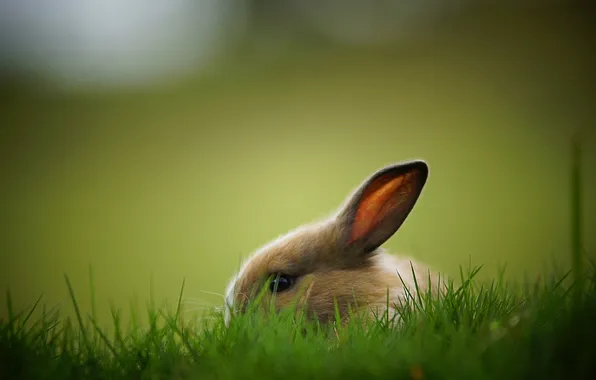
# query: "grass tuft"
x,y
480,330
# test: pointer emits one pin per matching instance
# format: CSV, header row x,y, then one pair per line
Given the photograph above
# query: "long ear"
x,y
380,205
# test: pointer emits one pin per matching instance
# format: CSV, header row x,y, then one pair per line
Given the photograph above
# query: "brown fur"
x,y
339,259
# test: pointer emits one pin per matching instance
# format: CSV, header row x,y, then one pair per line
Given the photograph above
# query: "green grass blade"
x,y
82,330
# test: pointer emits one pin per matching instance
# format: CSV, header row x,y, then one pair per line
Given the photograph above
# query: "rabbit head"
x,y
338,262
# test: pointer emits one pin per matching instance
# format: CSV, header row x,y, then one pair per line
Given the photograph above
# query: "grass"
x,y
490,330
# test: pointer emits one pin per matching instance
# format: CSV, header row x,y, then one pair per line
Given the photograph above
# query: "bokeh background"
x,y
163,141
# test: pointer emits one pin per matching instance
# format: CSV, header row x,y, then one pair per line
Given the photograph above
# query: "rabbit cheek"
x,y
349,292
330,290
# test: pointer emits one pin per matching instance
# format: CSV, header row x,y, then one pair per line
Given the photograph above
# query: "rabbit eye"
x,y
281,283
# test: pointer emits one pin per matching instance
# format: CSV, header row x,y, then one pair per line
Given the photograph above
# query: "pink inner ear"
x,y
382,197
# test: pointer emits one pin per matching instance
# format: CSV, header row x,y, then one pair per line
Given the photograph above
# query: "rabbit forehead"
x,y
298,252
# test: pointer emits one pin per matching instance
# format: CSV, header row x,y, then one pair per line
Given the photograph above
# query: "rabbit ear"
x,y
380,206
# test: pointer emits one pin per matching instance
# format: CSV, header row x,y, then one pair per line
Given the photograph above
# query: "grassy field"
x,y
477,330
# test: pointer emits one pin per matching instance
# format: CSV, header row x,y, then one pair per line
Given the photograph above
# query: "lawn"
x,y
542,328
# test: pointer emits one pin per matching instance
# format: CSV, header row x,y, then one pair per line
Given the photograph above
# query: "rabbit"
x,y
339,262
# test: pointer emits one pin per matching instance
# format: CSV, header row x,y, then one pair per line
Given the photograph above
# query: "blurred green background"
x,y
184,178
